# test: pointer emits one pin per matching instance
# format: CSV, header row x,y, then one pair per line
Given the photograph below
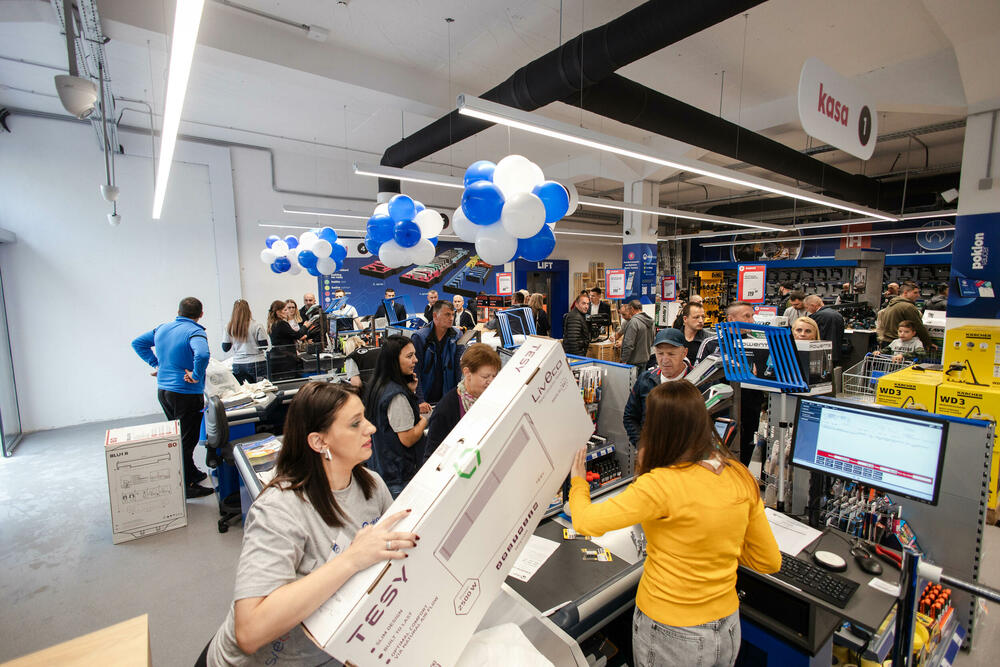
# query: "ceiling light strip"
x,y
187,18
781,239
329,212
676,213
497,113
408,175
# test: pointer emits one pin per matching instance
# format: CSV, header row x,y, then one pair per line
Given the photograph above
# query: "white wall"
x,y
78,290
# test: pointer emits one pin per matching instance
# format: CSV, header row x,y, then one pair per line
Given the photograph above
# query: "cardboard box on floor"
x,y
475,503
145,480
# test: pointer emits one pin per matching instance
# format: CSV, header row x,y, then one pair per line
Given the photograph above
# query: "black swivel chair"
x,y
220,457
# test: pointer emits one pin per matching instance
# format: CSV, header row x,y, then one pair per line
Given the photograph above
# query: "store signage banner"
x,y
751,282
834,109
614,284
668,288
505,284
639,262
765,310
975,268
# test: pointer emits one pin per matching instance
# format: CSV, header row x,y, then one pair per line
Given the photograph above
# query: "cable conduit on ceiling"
x,y
586,59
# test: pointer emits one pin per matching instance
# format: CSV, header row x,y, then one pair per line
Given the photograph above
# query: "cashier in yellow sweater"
x,y
702,515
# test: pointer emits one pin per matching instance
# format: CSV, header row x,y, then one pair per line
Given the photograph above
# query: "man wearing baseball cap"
x,y
670,348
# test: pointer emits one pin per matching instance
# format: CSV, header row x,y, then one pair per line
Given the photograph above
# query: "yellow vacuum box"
x,y
977,350
972,402
909,388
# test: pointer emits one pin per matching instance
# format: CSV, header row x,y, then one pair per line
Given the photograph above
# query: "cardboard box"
x,y
972,402
909,388
977,350
145,480
474,504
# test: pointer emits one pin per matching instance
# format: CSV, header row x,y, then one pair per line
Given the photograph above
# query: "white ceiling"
x,y
383,73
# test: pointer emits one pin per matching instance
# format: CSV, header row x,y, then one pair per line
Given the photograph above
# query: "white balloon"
x,y
393,255
381,209
495,246
430,222
293,257
466,230
295,270
326,265
322,248
307,239
523,215
279,248
267,256
423,252
516,173
574,197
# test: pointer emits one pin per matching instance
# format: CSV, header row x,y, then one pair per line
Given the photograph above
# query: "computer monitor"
x,y
900,454
725,428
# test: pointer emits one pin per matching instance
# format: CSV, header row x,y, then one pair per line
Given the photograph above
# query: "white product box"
x,y
145,480
475,503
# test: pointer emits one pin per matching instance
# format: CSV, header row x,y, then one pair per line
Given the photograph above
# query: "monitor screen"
x,y
901,454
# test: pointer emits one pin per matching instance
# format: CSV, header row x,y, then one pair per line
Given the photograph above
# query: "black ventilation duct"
x,y
632,103
582,61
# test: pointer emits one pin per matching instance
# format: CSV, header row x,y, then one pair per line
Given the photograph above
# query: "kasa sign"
x,y
835,110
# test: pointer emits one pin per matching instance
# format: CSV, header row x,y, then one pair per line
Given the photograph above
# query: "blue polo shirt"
x,y
180,345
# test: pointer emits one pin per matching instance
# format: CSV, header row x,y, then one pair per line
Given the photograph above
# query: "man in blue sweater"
x,y
438,356
180,361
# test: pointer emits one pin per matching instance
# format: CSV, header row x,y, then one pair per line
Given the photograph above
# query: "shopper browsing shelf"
x,y
247,339
670,349
391,405
796,308
309,531
830,323
283,358
636,337
693,328
463,319
702,515
480,365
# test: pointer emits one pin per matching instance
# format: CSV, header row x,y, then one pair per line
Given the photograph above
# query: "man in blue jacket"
x,y
180,361
438,356
671,364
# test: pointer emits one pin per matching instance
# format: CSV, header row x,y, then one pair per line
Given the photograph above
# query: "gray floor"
x,y
62,577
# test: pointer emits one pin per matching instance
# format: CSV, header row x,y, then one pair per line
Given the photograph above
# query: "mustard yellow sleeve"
x,y
643,499
760,550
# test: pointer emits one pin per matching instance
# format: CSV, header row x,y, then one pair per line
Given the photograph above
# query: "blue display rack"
x,y
739,368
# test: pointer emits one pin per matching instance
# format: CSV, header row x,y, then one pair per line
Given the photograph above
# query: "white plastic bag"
x,y
501,646
219,379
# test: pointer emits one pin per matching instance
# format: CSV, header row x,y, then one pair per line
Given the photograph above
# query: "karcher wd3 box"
x,y
972,355
909,388
972,402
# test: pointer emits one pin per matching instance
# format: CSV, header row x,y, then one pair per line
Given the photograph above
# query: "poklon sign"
x,y
835,110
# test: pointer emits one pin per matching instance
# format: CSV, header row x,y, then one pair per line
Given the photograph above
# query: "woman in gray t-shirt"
x,y
310,530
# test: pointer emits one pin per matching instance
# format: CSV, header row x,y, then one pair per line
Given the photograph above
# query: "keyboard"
x,y
816,581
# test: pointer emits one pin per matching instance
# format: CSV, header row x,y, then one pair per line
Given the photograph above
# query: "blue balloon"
x,y
269,241
555,198
407,233
479,171
328,234
401,208
307,259
539,246
372,245
291,241
338,254
380,228
418,206
482,202
434,241
314,272
280,265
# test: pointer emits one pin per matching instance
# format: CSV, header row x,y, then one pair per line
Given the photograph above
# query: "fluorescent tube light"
x,y
677,213
504,115
408,175
330,212
187,18
780,239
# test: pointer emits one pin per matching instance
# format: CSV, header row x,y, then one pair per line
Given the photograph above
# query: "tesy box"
x,y
475,503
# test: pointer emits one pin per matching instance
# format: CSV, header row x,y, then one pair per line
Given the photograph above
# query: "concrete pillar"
x,y
639,231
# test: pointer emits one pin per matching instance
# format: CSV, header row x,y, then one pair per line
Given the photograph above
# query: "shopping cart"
x,y
861,378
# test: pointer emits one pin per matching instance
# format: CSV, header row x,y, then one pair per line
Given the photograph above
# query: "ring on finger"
x,y
388,545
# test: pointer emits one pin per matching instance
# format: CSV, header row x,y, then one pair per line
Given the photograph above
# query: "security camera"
x,y
77,94
109,192
362,248
114,219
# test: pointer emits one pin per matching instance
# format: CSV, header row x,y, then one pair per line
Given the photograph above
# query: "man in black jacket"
x,y
398,308
597,304
576,330
830,323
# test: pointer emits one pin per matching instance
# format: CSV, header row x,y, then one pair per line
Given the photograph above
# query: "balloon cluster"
x,y
402,231
509,209
317,251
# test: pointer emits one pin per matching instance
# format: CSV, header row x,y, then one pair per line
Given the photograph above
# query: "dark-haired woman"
x,y
246,338
284,334
702,515
309,531
392,406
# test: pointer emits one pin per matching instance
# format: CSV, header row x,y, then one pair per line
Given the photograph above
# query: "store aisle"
x,y
62,577
987,643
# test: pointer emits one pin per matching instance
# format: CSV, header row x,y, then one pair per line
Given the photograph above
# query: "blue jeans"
x,y
714,644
